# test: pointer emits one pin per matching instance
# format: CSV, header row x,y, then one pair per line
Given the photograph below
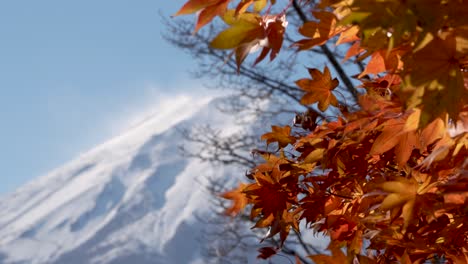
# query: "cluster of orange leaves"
x,y
391,177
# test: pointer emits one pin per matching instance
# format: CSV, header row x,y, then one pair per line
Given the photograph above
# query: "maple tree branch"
x,y
275,85
252,74
213,148
292,252
198,45
360,64
330,56
304,245
284,91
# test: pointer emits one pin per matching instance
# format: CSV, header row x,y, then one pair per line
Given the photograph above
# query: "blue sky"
x,y
74,73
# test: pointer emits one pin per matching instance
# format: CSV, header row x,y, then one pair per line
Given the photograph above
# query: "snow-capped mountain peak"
x,y
132,198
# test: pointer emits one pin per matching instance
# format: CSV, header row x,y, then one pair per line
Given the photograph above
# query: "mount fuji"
x,y
132,199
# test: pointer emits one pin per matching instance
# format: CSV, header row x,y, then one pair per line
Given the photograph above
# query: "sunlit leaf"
x,y
319,89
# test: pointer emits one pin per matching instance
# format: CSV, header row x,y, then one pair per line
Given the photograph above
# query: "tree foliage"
x,y
387,179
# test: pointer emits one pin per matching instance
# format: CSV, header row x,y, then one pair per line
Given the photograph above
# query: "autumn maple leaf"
x,y
239,201
319,89
402,195
248,32
282,135
382,61
317,33
244,28
209,10
434,78
394,135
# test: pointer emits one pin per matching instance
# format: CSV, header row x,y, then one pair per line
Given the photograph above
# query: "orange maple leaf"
x,y
354,50
395,136
349,34
318,33
209,10
238,198
382,61
275,33
282,135
319,89
272,203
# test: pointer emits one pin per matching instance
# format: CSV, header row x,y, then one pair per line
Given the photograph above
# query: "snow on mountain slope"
x,y
129,200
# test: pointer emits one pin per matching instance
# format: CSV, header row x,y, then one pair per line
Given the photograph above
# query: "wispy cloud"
x,y
158,100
